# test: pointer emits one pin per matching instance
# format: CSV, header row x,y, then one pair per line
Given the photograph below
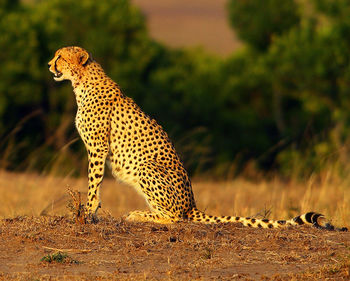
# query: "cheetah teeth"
x,y
57,75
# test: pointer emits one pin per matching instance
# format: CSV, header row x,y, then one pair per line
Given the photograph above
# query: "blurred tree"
x,y
306,69
114,31
20,85
310,66
284,96
257,22
244,101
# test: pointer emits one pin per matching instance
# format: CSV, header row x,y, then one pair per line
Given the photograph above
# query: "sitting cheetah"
x,y
138,150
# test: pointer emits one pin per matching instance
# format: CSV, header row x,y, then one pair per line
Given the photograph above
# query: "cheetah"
x,y
139,152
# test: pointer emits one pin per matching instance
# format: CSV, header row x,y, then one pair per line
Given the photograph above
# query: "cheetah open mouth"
x,y
57,74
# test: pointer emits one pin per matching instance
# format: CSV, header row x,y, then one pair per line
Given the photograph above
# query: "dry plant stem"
x,y
67,250
76,207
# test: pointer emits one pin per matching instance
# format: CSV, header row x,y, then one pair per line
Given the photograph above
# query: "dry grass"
x,y
31,194
116,250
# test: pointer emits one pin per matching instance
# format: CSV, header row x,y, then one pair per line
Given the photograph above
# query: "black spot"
x,y
298,220
315,218
308,217
270,225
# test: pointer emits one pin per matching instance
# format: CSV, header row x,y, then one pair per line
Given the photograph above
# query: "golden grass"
x,y
31,194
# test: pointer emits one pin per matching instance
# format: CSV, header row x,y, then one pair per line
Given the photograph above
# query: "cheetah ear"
x,y
83,57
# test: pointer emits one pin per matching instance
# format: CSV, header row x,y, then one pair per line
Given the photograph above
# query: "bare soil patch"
x,y
116,250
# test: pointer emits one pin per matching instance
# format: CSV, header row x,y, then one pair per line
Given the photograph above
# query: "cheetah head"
x,y
68,63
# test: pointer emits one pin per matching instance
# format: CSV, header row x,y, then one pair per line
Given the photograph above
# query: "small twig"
x,y
334,260
337,243
308,234
67,250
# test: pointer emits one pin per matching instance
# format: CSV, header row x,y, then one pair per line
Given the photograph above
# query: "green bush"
x,y
282,99
39,114
258,22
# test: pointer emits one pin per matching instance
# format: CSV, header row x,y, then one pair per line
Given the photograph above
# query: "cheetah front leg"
x,y
95,175
97,144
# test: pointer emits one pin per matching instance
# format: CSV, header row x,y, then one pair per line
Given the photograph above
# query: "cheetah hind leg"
x,y
146,216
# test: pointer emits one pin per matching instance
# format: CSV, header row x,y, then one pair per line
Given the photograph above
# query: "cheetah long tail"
x,y
310,218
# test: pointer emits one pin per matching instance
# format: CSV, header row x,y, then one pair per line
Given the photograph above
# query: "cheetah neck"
x,y
91,82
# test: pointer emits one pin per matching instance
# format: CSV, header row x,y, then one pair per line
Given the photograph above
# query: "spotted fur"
x,y
139,152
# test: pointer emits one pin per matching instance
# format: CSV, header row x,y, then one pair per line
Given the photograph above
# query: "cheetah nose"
x,y
49,65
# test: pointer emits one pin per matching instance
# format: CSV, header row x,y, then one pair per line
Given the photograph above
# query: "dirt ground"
x,y
116,250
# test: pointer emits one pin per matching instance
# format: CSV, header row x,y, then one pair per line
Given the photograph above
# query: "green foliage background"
x,y
281,102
